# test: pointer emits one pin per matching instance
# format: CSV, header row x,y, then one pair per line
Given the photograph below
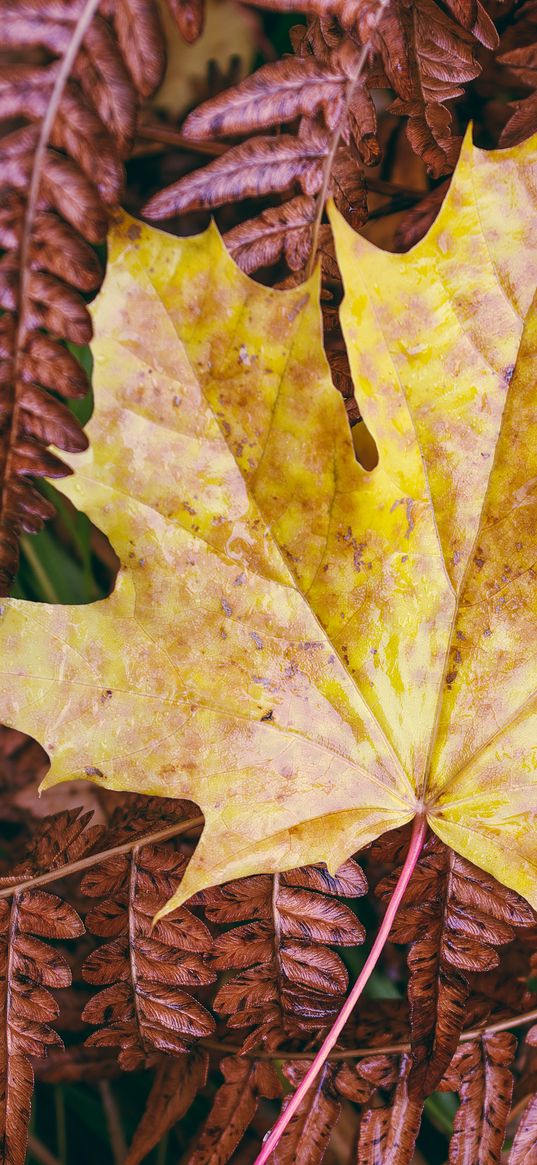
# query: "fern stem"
x,y
111,851
361,1053
161,134
417,839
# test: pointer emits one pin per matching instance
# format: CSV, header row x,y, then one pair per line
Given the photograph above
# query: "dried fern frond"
x,y
455,916
234,1108
391,1120
61,844
420,51
480,1073
280,232
57,841
67,122
147,975
308,1133
325,93
278,934
516,67
29,967
176,1084
524,1147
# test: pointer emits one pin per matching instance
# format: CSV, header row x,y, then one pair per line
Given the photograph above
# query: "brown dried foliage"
x,y
455,917
146,974
234,1108
517,60
176,1084
59,182
420,51
277,977
265,958
524,1148
306,1137
278,933
29,967
480,1073
391,1120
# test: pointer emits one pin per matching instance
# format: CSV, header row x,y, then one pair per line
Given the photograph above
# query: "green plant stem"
x,y
162,1151
118,1143
45,582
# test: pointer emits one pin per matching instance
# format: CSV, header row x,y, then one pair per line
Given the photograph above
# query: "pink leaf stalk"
x,y
419,830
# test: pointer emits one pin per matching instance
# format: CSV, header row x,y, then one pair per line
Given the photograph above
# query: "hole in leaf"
x,y
365,446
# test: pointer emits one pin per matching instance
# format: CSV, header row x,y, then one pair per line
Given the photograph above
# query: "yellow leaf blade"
x,y
281,645
472,403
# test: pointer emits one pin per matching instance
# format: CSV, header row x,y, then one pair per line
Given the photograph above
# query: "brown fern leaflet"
x,y
29,967
234,1108
290,980
177,1082
524,1148
455,916
517,65
480,1073
306,1137
146,975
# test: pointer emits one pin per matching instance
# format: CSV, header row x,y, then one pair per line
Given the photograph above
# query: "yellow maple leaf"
x,y
311,652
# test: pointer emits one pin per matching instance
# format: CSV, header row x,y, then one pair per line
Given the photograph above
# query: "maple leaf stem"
x,y
417,839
